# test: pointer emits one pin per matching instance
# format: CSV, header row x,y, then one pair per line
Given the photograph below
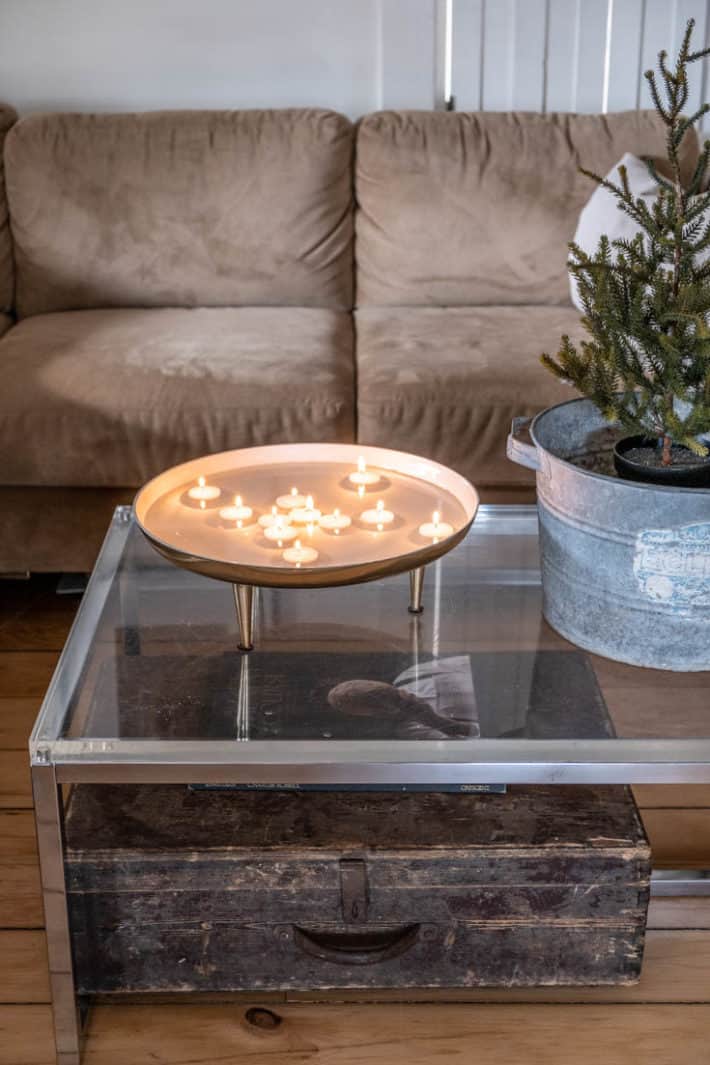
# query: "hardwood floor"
x,y
665,1020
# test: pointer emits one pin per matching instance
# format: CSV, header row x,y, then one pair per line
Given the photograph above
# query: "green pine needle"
x,y
647,300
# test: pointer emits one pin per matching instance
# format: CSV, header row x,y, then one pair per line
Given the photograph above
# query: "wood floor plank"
x,y
619,675
15,787
370,1035
23,974
26,1036
679,912
26,674
679,838
380,1035
672,795
17,717
20,892
33,617
645,712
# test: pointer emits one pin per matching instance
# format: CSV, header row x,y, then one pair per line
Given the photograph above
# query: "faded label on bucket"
x,y
673,565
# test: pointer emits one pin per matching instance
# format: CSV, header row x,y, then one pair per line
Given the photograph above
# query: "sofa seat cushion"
x,y
109,398
446,382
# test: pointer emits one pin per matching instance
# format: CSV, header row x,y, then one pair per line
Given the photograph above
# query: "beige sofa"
x,y
183,282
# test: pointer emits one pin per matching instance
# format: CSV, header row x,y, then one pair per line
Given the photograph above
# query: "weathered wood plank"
x,y
370,1035
675,970
541,885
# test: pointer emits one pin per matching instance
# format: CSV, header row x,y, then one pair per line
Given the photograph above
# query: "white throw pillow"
x,y
601,215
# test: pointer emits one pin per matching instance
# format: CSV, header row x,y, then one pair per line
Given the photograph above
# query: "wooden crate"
x,y
179,890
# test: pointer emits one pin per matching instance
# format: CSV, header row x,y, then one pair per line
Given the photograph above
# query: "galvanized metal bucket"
x,y
625,566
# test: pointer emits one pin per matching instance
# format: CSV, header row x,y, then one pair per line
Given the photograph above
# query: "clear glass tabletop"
x,y
346,687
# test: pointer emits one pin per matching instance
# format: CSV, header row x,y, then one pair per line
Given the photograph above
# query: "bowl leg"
x,y
244,600
416,587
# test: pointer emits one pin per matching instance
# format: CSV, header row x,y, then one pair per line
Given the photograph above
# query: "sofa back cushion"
x,y
181,208
475,209
7,271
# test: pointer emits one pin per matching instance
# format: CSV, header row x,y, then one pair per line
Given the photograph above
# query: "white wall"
x,y
352,55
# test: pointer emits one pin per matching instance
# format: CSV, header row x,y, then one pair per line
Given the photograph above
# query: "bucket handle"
x,y
518,448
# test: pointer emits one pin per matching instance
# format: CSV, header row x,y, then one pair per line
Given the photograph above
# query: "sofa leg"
x,y
416,587
244,600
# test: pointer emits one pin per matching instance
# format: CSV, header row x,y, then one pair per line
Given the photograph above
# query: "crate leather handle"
x,y
357,948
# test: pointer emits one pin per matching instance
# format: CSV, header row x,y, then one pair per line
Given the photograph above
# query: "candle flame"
x,y
309,502
274,511
336,512
297,545
201,482
294,491
361,466
380,504
238,501
435,517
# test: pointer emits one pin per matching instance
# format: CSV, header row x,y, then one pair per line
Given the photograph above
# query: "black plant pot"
x,y
686,470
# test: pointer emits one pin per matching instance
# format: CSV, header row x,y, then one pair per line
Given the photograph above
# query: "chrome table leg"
x,y
49,820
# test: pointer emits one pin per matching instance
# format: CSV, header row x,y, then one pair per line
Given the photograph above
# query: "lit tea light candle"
x,y
299,554
334,522
238,512
274,518
436,529
293,499
378,516
204,492
307,515
281,533
362,475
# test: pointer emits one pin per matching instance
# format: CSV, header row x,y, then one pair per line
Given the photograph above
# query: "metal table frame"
x,y
59,762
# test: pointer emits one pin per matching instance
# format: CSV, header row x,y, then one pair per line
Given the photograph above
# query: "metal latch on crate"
x,y
353,890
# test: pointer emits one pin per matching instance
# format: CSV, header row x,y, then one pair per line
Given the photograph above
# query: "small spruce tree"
x,y
647,300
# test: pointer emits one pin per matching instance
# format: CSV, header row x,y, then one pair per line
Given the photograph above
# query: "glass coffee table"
x,y
345,690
